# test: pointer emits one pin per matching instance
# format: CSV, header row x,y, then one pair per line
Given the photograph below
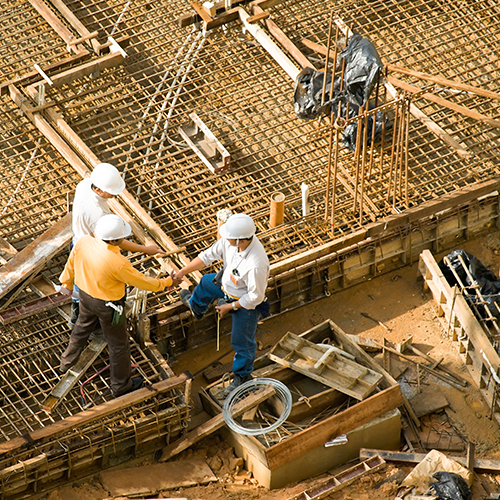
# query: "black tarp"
x,y
362,68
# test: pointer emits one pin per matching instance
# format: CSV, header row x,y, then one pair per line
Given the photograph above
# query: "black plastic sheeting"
x,y
487,283
450,486
362,69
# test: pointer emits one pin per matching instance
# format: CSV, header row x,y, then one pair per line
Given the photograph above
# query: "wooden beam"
x,y
345,421
480,464
283,40
39,251
73,375
215,423
98,64
85,417
444,102
443,81
56,24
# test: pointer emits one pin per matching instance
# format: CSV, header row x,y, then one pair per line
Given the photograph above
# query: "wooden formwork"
x,y
475,348
380,248
104,436
301,453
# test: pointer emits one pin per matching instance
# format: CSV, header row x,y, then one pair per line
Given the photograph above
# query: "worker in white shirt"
x,y
242,287
90,204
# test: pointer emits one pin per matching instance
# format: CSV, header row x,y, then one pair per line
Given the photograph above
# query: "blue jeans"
x,y
244,324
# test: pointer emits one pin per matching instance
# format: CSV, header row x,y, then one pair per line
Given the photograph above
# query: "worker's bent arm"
x,y
133,277
130,246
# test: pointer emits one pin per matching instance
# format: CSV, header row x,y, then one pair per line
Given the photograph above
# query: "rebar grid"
x,y
35,179
27,39
105,442
30,353
131,114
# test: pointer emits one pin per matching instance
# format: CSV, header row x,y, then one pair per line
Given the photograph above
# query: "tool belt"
x,y
119,313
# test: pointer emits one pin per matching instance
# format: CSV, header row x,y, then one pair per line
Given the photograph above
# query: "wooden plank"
x,y
480,464
26,309
340,480
443,81
428,402
35,254
87,416
341,423
55,23
147,480
215,423
73,375
444,102
98,64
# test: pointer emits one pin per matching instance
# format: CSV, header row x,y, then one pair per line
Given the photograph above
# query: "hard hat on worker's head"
x,y
107,178
112,227
238,227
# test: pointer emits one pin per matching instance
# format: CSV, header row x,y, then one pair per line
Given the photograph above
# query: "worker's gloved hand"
x,y
154,250
63,290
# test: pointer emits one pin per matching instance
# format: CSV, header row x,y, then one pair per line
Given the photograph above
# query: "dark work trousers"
x,y
94,312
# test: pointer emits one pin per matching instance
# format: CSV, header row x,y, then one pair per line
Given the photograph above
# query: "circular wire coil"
x,y
247,388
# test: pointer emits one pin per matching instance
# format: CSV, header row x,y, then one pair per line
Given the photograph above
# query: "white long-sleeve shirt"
x,y
88,208
245,273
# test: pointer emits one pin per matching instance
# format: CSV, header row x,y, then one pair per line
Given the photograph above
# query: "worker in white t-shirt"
x,y
90,204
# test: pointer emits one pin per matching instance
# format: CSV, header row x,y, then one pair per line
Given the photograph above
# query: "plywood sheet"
x,y
150,479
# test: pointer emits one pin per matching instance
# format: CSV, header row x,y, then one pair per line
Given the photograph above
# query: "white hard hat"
x,y
107,178
238,227
112,227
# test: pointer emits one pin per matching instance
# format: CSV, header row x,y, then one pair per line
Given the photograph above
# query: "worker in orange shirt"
x,y
96,266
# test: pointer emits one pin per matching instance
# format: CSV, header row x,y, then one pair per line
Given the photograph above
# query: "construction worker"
x,y
101,273
90,204
240,288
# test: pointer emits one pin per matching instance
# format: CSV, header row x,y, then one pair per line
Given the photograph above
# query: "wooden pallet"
x,y
473,342
326,365
341,480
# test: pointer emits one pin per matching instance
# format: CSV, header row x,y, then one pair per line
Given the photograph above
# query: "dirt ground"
x,y
398,301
